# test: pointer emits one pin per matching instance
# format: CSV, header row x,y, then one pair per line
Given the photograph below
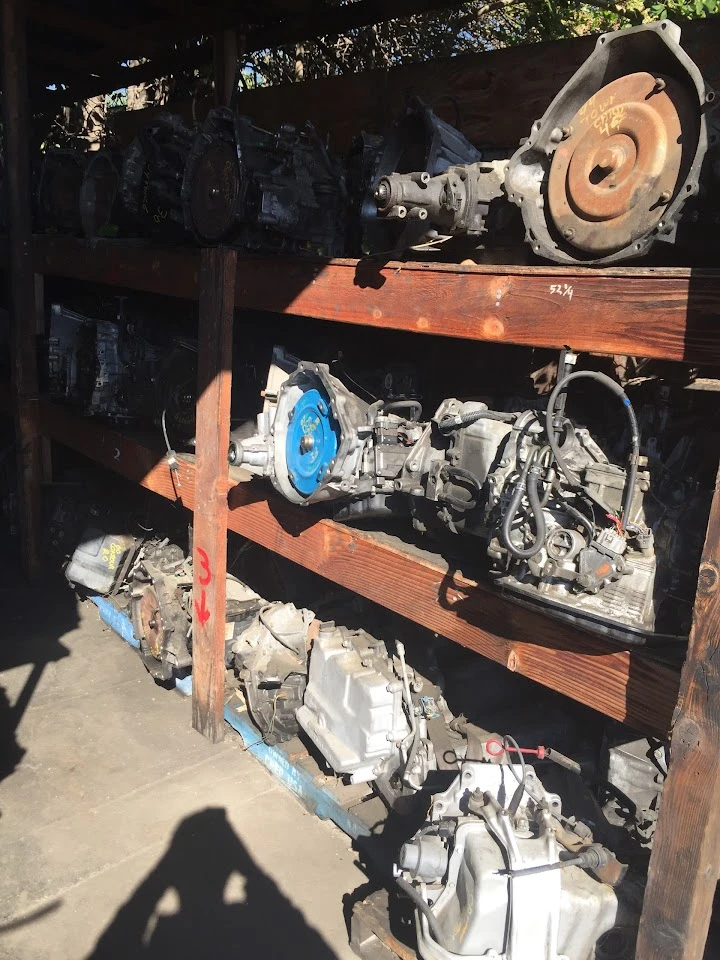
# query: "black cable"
x,y
550,428
580,517
520,790
424,907
453,421
528,482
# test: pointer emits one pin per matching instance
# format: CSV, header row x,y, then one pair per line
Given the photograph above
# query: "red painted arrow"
x,y
203,614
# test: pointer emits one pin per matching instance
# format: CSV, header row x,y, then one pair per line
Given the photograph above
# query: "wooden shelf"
x,y
625,685
669,314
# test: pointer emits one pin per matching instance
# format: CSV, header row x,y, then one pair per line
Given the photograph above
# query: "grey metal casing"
x,y
353,707
558,915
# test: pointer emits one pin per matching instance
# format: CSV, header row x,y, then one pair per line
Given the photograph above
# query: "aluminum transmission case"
x,y
480,910
353,709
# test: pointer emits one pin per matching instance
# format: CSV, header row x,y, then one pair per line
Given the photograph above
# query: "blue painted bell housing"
x,y
313,437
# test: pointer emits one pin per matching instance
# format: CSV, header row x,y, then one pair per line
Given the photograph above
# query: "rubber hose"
x,y
453,421
581,518
550,474
615,388
529,481
395,405
373,410
424,908
469,478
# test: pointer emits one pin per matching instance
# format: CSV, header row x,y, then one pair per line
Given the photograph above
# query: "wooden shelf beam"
x,y
626,685
675,312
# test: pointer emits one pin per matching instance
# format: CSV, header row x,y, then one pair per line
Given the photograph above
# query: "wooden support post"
x,y
45,442
225,61
685,860
212,429
23,363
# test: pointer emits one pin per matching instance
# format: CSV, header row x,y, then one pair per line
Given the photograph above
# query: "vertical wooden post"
x,y
212,429
23,364
685,860
45,442
225,61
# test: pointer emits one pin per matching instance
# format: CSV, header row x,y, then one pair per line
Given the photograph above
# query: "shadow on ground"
x,y
34,620
181,909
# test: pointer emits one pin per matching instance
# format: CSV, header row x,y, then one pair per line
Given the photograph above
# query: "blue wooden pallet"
x,y
315,797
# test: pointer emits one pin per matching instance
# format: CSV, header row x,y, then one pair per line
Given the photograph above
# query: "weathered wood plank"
x,y
685,860
137,265
668,316
23,365
217,289
671,314
625,685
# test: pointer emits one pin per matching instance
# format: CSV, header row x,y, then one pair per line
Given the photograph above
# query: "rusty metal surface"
x,y
151,619
619,166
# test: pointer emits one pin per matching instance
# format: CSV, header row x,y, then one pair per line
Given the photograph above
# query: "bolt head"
x,y
568,233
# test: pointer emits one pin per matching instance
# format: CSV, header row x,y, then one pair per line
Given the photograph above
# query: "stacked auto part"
x,y
609,168
616,165
263,191
605,174
498,871
102,365
419,151
500,867
562,524
368,712
70,357
57,192
152,177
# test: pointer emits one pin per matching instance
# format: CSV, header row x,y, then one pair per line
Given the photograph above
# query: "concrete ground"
x,y
126,834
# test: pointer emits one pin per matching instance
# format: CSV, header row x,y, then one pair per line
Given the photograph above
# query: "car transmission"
x,y
562,525
57,191
608,169
152,175
604,175
361,707
498,871
263,191
409,200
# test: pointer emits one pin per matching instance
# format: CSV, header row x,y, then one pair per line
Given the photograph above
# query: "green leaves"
x,y
472,27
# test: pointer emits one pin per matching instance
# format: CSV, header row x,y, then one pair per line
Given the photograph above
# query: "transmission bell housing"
x,y
608,169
